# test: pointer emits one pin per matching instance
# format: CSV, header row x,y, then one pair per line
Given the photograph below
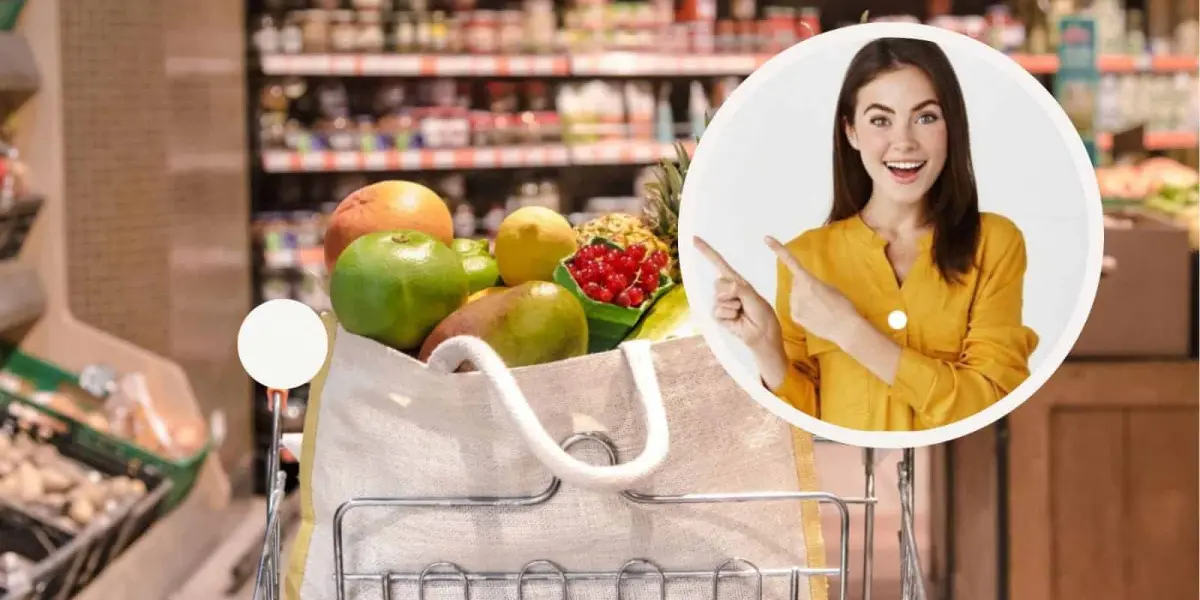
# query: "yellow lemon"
x,y
530,243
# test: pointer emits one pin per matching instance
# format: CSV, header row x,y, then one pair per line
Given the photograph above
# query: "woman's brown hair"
x,y
952,204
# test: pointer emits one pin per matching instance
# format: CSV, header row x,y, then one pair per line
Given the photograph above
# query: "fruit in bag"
x,y
395,287
386,206
530,243
477,261
533,323
667,318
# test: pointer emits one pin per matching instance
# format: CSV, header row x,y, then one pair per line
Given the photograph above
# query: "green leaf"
x,y
676,179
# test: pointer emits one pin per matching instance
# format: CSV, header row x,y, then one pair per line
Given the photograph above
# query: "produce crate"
x,y
62,561
99,447
9,11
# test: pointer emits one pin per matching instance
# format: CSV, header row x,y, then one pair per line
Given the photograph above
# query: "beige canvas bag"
x,y
382,424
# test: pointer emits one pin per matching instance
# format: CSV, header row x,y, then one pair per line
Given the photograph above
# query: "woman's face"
x,y
900,134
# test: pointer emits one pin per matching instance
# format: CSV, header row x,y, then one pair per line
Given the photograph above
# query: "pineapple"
x,y
622,229
663,197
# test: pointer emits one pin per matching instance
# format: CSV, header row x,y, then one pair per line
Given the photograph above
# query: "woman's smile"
x,y
904,171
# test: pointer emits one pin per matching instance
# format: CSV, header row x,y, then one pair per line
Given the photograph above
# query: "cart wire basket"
x,y
641,569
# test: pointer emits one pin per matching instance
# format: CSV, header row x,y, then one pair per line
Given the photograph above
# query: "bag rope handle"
x,y
612,478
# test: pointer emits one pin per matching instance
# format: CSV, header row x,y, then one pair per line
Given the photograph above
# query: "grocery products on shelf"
x,y
124,409
693,27
82,478
531,27
1160,185
1162,102
446,113
1144,179
38,479
14,175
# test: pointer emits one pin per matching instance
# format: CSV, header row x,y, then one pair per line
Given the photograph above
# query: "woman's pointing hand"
x,y
738,307
815,306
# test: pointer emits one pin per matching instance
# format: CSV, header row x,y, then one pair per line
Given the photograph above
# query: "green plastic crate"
x,y
47,378
9,11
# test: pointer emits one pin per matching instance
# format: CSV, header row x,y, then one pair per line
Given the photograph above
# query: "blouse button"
x,y
897,319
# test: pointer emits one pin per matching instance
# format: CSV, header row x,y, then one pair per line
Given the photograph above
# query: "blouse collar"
x,y
858,230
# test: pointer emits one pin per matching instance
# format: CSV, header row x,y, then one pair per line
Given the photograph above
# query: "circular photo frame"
x,y
928,216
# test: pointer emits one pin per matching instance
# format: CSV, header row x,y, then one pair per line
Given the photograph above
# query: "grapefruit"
x,y
530,243
387,206
396,286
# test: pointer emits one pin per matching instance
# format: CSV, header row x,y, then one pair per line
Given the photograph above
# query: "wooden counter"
x,y
1097,491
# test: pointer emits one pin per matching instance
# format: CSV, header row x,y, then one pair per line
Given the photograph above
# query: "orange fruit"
x,y
387,206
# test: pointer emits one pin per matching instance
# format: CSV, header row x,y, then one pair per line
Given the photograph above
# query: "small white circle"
x,y
282,344
897,319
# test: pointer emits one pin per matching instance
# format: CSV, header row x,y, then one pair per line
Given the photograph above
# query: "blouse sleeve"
x,y
995,354
799,387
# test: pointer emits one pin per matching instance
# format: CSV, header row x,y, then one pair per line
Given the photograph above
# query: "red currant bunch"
x,y
625,277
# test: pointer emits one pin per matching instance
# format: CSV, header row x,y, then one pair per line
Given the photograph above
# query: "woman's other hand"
x,y
739,308
816,306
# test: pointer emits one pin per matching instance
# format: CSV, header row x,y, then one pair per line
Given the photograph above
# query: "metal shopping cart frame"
x,y
267,581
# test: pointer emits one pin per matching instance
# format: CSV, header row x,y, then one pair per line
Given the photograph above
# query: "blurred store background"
x,y
169,164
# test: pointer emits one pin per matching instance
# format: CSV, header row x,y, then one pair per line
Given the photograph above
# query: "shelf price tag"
x,y
375,161
312,161
343,65
486,65
410,160
485,157
443,159
610,153
519,65
510,157
345,161
536,156
454,65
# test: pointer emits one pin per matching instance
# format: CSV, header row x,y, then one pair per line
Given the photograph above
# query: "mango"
x,y
668,318
533,323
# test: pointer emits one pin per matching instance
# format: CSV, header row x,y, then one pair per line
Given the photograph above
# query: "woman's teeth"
x,y
905,166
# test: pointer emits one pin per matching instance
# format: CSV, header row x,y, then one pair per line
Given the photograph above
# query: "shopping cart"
x,y
267,585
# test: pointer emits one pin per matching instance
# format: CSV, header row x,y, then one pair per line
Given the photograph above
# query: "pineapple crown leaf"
x,y
675,178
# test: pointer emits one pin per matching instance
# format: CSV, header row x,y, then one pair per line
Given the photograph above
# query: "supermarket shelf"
x,y
617,64
23,300
1180,140
1159,64
552,155
414,65
622,64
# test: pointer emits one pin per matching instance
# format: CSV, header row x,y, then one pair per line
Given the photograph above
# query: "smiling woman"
x,y
903,311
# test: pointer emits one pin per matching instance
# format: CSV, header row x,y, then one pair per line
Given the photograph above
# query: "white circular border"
x,y
837,39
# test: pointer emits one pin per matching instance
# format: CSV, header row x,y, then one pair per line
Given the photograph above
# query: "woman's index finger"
x,y
716,259
785,256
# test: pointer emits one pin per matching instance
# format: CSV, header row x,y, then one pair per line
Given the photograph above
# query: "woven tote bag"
x,y
381,424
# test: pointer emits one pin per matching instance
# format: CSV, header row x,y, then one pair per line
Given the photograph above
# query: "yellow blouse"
x,y
964,345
